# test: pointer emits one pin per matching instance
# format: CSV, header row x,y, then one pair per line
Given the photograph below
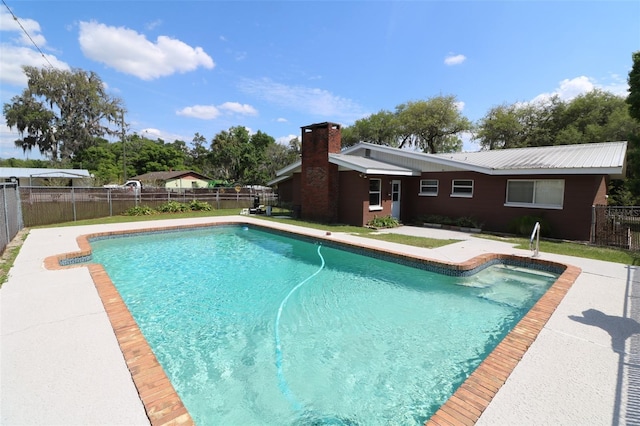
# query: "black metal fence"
x,y
50,205
616,226
10,214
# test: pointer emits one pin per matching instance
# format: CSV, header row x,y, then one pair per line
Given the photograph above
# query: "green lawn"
x,y
570,249
558,247
608,254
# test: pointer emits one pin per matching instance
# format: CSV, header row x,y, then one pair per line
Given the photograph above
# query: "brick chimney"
x,y
319,178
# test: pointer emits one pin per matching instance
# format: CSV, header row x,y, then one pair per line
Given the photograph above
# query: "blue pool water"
x,y
258,328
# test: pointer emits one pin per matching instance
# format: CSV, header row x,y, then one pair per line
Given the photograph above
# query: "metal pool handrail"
x,y
535,234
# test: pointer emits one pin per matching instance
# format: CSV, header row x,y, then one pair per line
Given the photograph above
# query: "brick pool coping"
x,y
164,407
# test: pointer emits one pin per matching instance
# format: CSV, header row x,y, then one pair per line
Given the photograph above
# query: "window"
x,y
429,187
375,201
462,188
544,193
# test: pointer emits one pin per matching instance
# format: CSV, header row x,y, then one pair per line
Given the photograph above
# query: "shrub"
x,y
174,207
467,222
383,222
196,205
524,226
140,211
434,218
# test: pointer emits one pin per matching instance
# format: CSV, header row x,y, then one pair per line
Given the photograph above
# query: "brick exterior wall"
x,y
323,194
319,183
572,222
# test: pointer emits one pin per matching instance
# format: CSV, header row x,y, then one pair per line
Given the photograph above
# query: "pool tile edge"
x,y
464,407
160,400
479,388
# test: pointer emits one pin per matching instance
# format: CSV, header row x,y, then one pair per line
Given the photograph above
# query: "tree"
x,y
197,158
34,122
435,123
102,160
380,128
634,87
276,157
254,167
145,155
227,149
541,121
501,128
633,150
295,147
596,116
61,112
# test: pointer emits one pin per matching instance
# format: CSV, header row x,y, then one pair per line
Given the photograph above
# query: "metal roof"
x,y
606,158
596,158
580,158
167,175
33,172
371,166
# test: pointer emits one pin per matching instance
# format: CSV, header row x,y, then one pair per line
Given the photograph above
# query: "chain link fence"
x,y
50,205
616,226
10,214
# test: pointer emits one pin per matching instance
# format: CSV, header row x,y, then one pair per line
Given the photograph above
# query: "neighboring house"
x,y
352,186
174,180
29,176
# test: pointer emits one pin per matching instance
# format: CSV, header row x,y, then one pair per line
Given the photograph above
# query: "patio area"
x,y
60,361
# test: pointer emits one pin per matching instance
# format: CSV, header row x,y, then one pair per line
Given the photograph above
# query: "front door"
x,y
395,199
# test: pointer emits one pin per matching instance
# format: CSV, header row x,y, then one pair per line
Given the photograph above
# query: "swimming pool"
x,y
364,341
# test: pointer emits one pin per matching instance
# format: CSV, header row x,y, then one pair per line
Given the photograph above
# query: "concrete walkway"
x,y
60,363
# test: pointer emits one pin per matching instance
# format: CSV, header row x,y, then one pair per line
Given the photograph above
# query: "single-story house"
x,y
31,176
174,180
557,183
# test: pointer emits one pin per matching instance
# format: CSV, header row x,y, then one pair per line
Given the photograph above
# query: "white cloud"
x,y
7,136
151,133
203,112
31,27
210,112
452,59
153,25
468,143
20,50
8,147
284,140
569,89
460,105
130,52
13,58
618,85
281,120
313,101
237,108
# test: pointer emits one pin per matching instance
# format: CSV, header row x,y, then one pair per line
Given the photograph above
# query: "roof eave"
x,y
611,171
372,170
278,180
392,172
289,169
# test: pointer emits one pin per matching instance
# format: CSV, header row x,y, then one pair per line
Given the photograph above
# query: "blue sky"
x,y
183,67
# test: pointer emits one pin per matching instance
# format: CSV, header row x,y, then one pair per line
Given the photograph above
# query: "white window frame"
x,y
375,207
456,186
434,186
534,204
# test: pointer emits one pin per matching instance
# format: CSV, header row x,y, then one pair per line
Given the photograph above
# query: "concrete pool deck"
x,y
60,362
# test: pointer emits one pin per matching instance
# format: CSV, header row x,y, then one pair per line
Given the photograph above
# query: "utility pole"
x,y
124,151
